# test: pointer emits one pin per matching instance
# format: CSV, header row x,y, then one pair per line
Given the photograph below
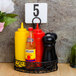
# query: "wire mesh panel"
x,y
36,67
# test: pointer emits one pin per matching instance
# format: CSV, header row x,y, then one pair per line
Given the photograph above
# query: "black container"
x,y
49,41
49,47
46,67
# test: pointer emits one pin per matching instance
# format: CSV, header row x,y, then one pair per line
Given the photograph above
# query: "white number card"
x,y
33,10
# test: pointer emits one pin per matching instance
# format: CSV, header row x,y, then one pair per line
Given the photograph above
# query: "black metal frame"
x,y
34,24
45,67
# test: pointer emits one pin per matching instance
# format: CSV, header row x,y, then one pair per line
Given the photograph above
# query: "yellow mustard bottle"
x,y
20,46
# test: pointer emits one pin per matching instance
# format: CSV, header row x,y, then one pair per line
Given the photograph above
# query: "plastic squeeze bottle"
x,y
38,35
30,52
20,46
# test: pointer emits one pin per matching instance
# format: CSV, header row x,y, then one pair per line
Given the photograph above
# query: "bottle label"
x,y
30,40
30,55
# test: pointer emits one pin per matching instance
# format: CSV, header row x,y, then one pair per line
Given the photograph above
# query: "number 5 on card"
x,y
36,10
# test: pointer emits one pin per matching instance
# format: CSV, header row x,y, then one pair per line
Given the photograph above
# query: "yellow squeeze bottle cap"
x,y
22,29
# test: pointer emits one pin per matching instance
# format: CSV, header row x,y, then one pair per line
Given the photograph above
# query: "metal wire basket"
x,y
37,67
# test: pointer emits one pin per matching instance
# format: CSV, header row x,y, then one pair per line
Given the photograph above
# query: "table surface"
x,y
7,69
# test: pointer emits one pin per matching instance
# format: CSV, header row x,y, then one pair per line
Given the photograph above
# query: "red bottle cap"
x,y
38,32
30,29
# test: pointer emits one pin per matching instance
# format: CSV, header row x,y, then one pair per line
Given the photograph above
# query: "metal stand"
x,y
34,24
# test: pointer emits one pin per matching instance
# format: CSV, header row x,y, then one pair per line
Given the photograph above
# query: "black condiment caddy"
x,y
49,61
48,67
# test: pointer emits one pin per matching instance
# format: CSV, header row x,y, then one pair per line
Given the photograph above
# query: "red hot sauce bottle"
x,y
38,35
